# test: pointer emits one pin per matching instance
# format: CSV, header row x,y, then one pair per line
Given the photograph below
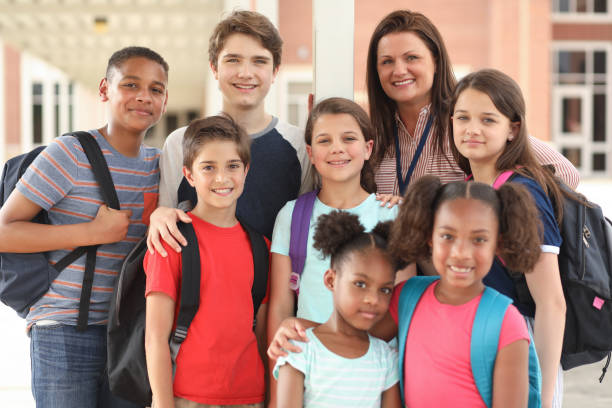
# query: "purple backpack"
x,y
300,224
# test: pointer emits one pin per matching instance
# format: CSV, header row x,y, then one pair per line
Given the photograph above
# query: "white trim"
x,y
551,249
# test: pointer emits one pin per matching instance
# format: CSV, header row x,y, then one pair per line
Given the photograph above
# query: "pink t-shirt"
x,y
437,369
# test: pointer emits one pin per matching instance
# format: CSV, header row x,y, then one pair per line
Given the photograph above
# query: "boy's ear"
x,y
103,90
275,72
329,279
214,70
189,176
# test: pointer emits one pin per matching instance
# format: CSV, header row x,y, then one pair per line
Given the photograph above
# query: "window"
x,y
582,86
37,113
568,10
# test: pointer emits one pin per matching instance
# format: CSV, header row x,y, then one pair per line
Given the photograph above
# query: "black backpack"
x,y
25,278
585,265
127,364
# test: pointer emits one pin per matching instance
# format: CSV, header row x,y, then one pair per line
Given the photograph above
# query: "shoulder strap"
x,y
412,291
485,339
300,224
190,289
261,266
502,178
99,168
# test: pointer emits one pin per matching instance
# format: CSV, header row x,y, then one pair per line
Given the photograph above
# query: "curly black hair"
x,y
519,222
339,233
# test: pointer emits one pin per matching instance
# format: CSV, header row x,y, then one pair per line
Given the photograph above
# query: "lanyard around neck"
x,y
403,182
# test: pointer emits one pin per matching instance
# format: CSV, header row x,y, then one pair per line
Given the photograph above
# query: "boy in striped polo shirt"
x,y
68,366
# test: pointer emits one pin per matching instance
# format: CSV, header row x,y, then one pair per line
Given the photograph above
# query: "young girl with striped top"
x,y
341,365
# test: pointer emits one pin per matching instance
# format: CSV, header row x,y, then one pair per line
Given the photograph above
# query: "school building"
x,y
53,54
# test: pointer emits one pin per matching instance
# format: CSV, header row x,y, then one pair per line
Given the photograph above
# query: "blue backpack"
x,y
484,341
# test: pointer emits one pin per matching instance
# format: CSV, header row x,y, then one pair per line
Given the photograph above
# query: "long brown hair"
x,y
507,97
336,106
382,108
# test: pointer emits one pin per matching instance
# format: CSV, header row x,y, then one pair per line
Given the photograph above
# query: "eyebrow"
x,y
404,53
363,275
139,78
477,231
485,113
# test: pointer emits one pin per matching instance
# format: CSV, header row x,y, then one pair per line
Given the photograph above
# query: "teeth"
x,y
222,190
244,86
460,270
338,162
404,82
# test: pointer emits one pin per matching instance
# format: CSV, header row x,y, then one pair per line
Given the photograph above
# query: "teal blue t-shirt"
x,y
315,300
334,381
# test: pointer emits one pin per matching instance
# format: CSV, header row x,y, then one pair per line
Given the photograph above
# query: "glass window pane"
x,y
563,6
599,118
572,115
600,6
581,6
599,62
599,162
573,155
572,62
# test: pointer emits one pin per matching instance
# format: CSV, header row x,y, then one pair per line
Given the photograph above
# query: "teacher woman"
x,y
410,81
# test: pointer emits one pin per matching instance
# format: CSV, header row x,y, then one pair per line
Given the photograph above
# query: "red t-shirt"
x,y
218,363
437,369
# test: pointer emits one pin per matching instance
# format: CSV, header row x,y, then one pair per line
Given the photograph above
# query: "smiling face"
x,y
338,149
463,244
406,68
480,131
217,173
136,93
245,72
361,288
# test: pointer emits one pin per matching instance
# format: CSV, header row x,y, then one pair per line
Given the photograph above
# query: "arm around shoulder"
x,y
546,155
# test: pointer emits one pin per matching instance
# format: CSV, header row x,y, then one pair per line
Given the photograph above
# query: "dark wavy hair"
x,y
339,234
519,222
382,108
507,97
336,106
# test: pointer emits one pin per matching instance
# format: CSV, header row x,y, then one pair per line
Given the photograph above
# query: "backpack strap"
x,y
502,178
190,289
100,170
485,339
300,224
261,266
411,293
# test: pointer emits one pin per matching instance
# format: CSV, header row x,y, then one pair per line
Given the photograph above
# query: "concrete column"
x,y
333,43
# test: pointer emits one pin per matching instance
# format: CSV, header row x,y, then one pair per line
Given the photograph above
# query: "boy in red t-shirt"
x,y
219,362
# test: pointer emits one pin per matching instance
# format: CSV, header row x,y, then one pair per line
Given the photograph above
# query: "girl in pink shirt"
x,y
461,227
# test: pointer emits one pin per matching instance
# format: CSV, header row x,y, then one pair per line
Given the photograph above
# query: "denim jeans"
x,y
69,368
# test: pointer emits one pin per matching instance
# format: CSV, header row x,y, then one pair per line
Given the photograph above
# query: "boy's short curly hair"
x,y
124,54
220,128
249,23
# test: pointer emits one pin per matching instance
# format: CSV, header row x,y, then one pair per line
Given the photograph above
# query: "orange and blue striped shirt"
x,y
60,180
